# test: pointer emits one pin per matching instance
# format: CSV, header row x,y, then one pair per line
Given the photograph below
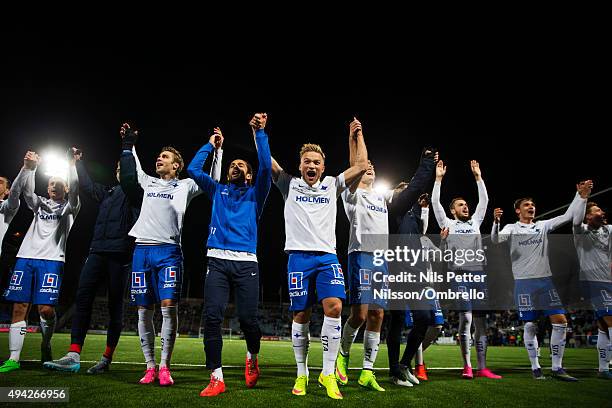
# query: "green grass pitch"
x,y
120,387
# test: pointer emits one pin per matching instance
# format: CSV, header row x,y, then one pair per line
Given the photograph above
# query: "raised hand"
x,y
444,233
400,187
75,154
440,170
475,166
430,153
584,188
129,136
216,139
355,128
126,129
259,121
30,160
424,200
497,214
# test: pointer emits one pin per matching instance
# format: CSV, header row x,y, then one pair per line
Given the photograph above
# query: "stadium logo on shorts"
x,y
604,295
50,280
16,278
171,274
337,271
364,276
138,280
524,300
295,280
554,296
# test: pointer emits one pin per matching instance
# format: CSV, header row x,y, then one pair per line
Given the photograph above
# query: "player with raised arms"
x,y
109,260
157,265
464,234
313,271
38,272
434,329
534,291
593,240
366,210
232,250
406,222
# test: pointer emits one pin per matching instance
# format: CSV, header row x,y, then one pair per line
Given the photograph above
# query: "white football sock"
x,y
418,357
168,333
557,344
465,336
602,349
146,331
300,337
17,332
531,344
480,336
330,339
371,340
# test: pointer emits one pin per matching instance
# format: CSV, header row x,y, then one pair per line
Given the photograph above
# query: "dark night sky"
x,y
532,124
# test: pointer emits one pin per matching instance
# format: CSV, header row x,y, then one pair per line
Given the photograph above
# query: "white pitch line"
x,y
293,366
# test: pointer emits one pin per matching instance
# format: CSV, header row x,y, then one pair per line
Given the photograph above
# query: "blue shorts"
x,y
35,281
599,294
365,278
436,316
481,287
535,297
310,272
157,274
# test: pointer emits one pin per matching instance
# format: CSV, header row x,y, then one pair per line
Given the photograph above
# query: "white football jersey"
x,y
310,212
528,249
594,249
46,238
462,234
368,217
163,208
529,242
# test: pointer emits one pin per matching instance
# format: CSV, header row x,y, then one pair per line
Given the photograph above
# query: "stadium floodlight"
x,y
54,164
381,186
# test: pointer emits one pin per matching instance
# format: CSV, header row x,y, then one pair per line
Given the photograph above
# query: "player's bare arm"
x,y
440,170
475,166
497,214
354,173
